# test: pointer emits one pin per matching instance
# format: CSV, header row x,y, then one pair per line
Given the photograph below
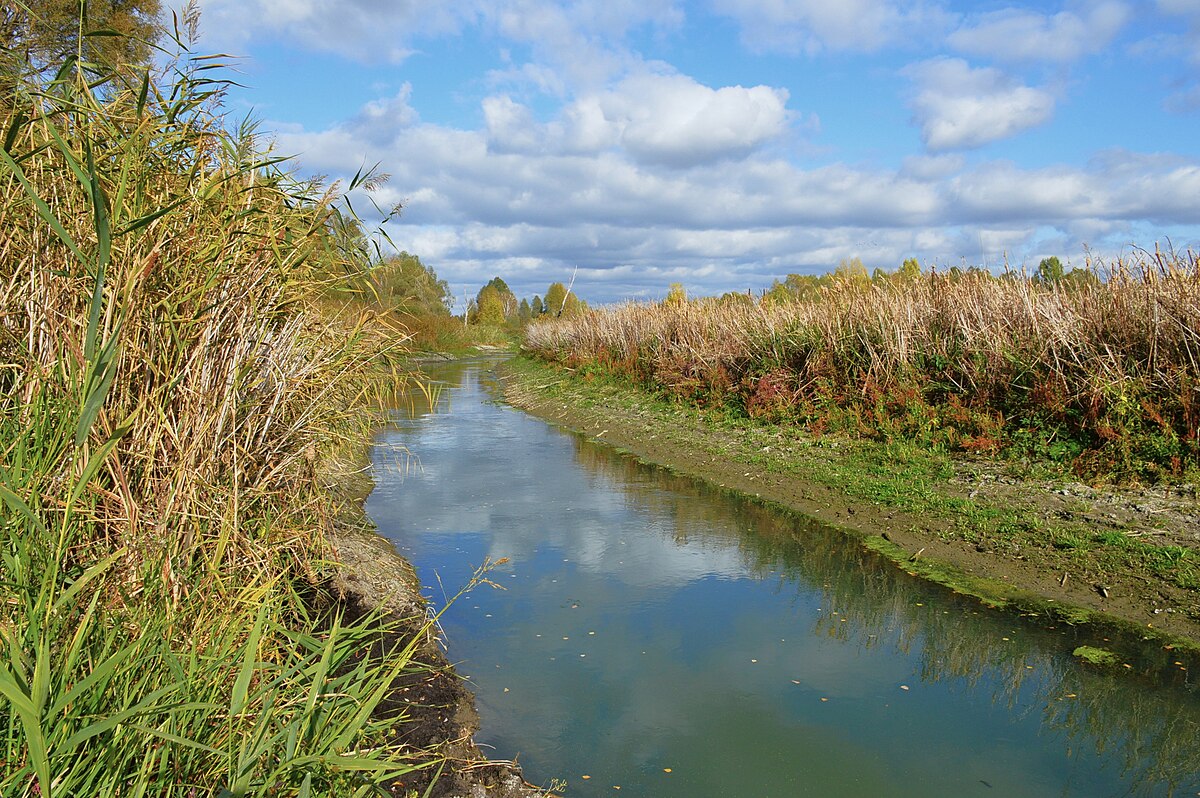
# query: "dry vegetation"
x,y
1102,375
173,379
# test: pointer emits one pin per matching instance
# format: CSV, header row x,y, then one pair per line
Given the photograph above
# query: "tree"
x,y
676,295
852,271
536,308
909,271
508,300
488,307
524,311
556,299
405,284
1049,271
39,34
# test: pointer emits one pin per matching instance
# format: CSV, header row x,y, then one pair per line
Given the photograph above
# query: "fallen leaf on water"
x,y
904,687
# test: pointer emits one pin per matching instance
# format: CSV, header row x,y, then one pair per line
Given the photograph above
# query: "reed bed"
x,y
1102,374
174,381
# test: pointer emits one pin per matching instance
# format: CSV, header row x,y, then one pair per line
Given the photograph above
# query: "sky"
x,y
723,144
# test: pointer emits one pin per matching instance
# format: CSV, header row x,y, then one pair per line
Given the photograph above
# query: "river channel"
x,y
650,635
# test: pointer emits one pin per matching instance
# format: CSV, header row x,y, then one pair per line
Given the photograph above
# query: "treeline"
x,y
1096,369
497,305
802,287
408,293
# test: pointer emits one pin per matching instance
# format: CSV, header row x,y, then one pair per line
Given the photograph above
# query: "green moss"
x,y
1100,657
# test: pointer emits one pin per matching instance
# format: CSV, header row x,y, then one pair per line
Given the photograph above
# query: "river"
x,y
649,635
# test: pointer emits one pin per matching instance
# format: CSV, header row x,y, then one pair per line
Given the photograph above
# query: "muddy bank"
x,y
438,707
1009,568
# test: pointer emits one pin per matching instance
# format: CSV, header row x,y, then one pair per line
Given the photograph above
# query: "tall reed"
x,y
171,383
1102,373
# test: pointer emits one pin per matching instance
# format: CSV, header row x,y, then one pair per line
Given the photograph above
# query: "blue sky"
x,y
725,143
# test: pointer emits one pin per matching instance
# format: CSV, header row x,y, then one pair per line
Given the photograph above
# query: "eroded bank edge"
x,y
370,575
562,398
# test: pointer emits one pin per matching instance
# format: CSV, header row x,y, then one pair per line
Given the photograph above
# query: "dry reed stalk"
x,y
1113,359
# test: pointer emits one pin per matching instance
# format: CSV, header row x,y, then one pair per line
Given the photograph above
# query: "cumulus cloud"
x,y
1022,35
583,40
962,107
633,221
674,120
665,119
815,25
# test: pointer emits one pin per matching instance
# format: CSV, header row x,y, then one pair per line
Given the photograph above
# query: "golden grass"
x,y
1109,368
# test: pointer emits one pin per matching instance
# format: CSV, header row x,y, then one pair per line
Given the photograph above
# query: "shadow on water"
x,y
748,650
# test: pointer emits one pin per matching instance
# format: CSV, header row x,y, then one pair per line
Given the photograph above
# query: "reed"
x,y
1102,374
174,380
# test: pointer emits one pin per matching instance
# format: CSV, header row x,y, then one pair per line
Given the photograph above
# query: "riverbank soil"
x,y
982,527
434,708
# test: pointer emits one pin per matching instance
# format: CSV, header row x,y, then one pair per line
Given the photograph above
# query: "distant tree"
x,y
797,288
736,298
508,300
880,276
1081,278
852,271
488,307
1049,271
524,311
676,294
909,271
777,294
536,308
404,283
556,299
573,306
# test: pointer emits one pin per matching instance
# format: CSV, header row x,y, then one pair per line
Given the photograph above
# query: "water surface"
x,y
651,633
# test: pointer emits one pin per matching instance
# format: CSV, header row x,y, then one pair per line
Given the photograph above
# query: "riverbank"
x,y
1074,551
437,706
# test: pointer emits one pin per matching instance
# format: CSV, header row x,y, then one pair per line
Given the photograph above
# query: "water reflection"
x,y
872,603
652,622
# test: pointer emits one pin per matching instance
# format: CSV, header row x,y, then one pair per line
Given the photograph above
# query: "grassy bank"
x,y
177,375
969,522
1096,377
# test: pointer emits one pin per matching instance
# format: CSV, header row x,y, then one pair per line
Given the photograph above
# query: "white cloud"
x,y
665,119
961,107
633,224
815,25
364,30
1020,35
672,119
583,39
932,167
